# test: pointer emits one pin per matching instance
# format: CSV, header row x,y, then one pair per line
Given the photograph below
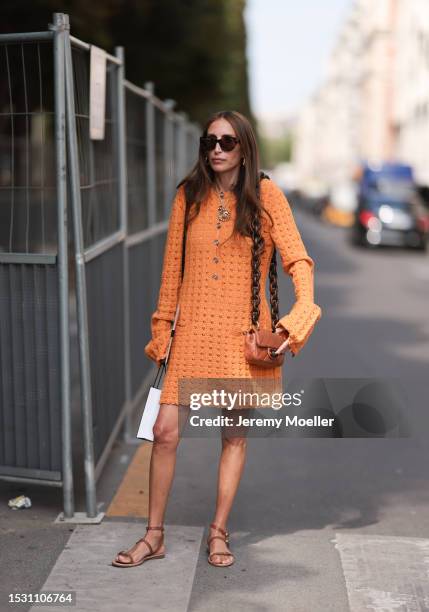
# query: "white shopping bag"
x,y
151,409
150,414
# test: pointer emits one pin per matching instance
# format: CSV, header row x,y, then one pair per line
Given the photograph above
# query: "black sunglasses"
x,y
227,142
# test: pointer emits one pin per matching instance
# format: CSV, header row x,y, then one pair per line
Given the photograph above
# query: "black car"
x,y
385,220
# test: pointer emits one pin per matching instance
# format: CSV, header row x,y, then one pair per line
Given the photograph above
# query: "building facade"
x,y
374,102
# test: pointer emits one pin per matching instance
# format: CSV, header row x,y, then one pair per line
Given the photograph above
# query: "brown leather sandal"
x,y
225,539
153,554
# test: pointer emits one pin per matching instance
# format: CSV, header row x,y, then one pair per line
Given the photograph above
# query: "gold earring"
x,y
243,162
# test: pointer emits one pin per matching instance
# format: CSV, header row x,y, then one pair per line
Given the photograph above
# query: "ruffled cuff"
x,y
299,323
156,348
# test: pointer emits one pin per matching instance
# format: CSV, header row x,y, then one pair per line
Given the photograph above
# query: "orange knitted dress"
x,y
215,296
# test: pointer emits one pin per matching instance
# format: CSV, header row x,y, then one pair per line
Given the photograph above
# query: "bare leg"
x,y
162,467
231,465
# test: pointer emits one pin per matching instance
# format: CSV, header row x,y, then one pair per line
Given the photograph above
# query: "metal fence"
x,y
98,209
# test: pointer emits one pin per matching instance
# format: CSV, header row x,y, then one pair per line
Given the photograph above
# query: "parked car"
x,y
390,208
384,219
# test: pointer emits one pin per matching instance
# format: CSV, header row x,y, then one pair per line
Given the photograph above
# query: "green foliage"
x,y
275,150
193,50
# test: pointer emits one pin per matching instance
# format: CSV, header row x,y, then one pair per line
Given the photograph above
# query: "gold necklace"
x,y
223,214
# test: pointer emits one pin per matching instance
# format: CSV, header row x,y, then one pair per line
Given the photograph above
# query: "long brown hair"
x,y
202,177
249,207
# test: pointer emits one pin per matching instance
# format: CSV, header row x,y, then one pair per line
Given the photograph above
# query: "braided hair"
x,y
257,249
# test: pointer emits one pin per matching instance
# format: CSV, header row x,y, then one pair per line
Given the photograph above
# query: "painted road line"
x,y
85,566
385,572
132,496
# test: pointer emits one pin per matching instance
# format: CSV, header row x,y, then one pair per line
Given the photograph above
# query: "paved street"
x,y
318,524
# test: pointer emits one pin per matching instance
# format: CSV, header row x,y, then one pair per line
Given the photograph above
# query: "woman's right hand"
x,y
283,347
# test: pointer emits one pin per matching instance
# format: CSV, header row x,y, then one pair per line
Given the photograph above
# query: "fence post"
x,y
181,145
151,168
169,156
84,356
59,27
195,131
121,134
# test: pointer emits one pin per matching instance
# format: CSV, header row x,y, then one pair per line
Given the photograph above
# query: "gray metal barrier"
x,y
112,229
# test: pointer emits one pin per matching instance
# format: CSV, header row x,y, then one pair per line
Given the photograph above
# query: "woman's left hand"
x,y
283,347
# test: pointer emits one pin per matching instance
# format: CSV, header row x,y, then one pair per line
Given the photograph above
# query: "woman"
x,y
218,204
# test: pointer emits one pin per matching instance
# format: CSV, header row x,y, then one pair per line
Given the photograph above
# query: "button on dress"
x,y
215,294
